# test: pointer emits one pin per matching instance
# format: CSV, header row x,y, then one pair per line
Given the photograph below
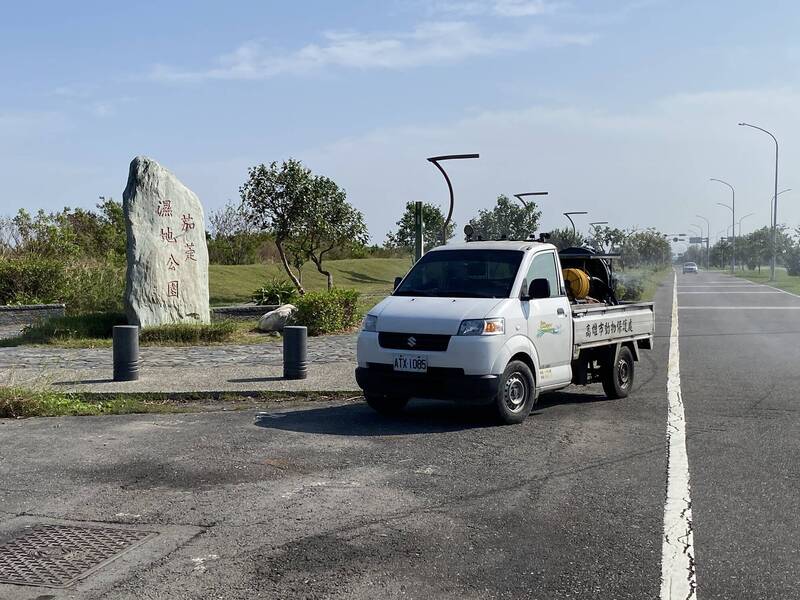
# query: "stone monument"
x,y
167,276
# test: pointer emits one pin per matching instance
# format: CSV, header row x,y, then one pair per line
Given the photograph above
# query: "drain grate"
x,y
59,555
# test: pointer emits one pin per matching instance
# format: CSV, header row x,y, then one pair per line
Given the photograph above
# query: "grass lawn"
x,y
784,281
18,403
373,277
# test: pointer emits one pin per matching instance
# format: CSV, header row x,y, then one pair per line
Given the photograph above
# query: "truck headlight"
x,y
482,327
370,323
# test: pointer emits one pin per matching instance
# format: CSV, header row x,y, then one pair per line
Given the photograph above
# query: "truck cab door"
x,y
549,323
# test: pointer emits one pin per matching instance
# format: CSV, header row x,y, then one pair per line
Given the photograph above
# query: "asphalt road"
x,y
740,380
333,501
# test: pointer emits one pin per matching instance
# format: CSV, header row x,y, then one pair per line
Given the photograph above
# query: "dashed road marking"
x,y
678,576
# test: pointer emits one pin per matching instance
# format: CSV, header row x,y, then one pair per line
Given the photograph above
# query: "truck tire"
x,y
618,374
517,393
386,405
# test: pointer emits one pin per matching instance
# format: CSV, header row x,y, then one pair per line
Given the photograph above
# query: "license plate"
x,y
414,364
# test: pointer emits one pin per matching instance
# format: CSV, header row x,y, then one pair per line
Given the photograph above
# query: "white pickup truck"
x,y
495,322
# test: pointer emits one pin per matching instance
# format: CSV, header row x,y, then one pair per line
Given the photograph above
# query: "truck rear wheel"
x,y
386,405
517,393
618,374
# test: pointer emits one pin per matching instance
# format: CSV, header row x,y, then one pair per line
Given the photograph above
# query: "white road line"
x,y
777,289
739,308
678,576
727,292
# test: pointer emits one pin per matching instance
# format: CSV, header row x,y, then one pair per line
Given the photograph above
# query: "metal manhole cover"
x,y
59,555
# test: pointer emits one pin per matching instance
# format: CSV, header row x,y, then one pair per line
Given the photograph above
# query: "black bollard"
x,y
295,365
126,352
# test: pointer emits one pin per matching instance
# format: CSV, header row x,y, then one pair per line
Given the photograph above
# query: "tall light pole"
x,y
436,160
708,240
774,202
521,197
574,212
732,237
733,220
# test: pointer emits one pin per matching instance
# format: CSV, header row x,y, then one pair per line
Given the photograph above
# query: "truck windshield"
x,y
463,274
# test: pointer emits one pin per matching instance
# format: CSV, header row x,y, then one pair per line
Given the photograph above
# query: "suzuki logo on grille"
x,y
412,341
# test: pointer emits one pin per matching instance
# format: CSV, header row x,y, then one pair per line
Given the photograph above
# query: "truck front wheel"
x,y
618,374
517,393
386,405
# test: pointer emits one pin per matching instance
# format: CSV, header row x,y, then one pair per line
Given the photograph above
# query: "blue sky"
x,y
624,109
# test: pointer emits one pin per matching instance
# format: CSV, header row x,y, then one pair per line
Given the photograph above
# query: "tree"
x,y
276,197
648,247
233,238
328,222
507,220
566,238
433,221
607,239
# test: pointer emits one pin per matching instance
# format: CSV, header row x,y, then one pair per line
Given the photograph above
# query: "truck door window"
x,y
544,267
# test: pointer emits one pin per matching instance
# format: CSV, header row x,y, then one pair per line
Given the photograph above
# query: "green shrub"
x,y
85,326
327,312
275,291
93,287
630,288
188,333
30,280
792,260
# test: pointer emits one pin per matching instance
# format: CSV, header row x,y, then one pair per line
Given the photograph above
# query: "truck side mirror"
x,y
397,281
539,288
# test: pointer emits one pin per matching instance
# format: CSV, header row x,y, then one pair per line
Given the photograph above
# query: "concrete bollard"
x,y
295,365
126,352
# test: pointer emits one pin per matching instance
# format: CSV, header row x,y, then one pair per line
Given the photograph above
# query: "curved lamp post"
x,y
574,212
770,203
774,201
708,240
521,197
742,219
732,208
732,236
436,160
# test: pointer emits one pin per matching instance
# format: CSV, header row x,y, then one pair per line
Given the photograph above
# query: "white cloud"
x,y
428,43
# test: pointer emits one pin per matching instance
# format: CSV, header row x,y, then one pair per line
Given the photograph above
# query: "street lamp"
x,y
770,203
596,223
732,208
525,194
742,219
574,212
774,201
731,236
708,240
436,160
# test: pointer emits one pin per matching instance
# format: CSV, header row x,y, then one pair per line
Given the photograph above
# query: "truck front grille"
x,y
413,341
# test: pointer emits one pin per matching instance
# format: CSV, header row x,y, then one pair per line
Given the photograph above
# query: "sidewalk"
x,y
184,369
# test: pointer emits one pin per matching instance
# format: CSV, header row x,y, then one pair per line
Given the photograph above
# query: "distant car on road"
x,y
690,267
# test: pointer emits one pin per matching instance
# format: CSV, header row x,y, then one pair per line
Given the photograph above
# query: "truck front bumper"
x,y
438,383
